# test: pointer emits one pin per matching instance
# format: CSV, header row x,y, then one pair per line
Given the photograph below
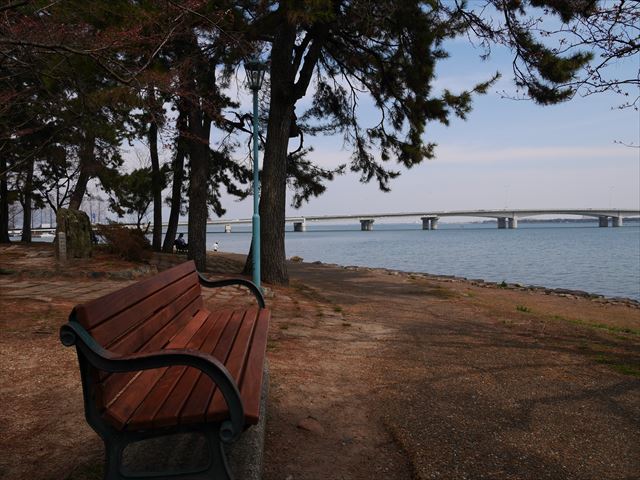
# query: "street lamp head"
x,y
255,70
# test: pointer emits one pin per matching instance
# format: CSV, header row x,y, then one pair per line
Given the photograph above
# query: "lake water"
x,y
575,256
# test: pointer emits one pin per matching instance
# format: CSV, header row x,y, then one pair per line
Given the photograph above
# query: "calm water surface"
x,y
573,256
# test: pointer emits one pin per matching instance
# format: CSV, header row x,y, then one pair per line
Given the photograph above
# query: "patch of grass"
x,y
599,326
623,368
440,292
308,292
503,284
6,271
319,314
337,309
583,345
522,308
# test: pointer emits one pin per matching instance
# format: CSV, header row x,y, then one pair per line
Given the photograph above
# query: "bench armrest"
x,y
205,282
72,333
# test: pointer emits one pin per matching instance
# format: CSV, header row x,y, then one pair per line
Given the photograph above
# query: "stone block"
x,y
77,232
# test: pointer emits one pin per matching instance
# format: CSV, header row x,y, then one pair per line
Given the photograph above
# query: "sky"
x,y
506,154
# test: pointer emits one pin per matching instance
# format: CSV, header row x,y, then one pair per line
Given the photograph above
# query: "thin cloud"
x,y
476,156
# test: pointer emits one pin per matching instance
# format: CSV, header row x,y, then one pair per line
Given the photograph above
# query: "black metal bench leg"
x,y
219,468
113,447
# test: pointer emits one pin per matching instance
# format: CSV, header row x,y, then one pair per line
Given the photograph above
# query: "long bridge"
x,y
505,218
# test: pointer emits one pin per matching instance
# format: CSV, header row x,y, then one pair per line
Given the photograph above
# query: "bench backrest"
x,y
141,317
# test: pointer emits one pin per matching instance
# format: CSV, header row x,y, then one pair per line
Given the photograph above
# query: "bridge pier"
x,y
616,221
299,226
429,223
513,222
603,221
366,224
502,222
227,228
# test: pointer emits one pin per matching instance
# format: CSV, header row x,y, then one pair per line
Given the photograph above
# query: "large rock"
x,y
77,229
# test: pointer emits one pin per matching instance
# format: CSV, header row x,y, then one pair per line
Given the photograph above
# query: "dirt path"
x,y
374,375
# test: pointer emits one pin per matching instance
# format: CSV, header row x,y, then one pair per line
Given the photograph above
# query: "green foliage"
x,y
131,193
524,309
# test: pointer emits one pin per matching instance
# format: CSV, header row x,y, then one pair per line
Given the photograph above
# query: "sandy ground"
x,y
374,375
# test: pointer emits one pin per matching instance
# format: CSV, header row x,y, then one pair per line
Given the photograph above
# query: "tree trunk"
x,y
156,186
87,171
273,196
199,129
176,198
26,206
4,202
198,211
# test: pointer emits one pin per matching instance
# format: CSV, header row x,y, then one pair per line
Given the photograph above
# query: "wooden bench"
x,y
154,361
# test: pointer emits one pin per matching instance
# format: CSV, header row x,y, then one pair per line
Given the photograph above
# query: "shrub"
x,y
128,243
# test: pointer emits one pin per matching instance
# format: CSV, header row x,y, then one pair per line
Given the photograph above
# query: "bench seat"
x,y
170,396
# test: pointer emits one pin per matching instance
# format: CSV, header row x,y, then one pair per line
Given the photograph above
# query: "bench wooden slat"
x,y
203,389
164,387
196,407
124,322
96,311
251,383
236,361
119,411
170,411
113,383
137,338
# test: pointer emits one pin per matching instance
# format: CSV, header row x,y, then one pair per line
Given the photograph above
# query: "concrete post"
x,y
513,222
299,227
426,223
62,247
502,222
434,223
603,221
227,228
366,224
616,221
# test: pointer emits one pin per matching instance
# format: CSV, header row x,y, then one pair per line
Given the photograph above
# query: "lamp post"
x,y
255,75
